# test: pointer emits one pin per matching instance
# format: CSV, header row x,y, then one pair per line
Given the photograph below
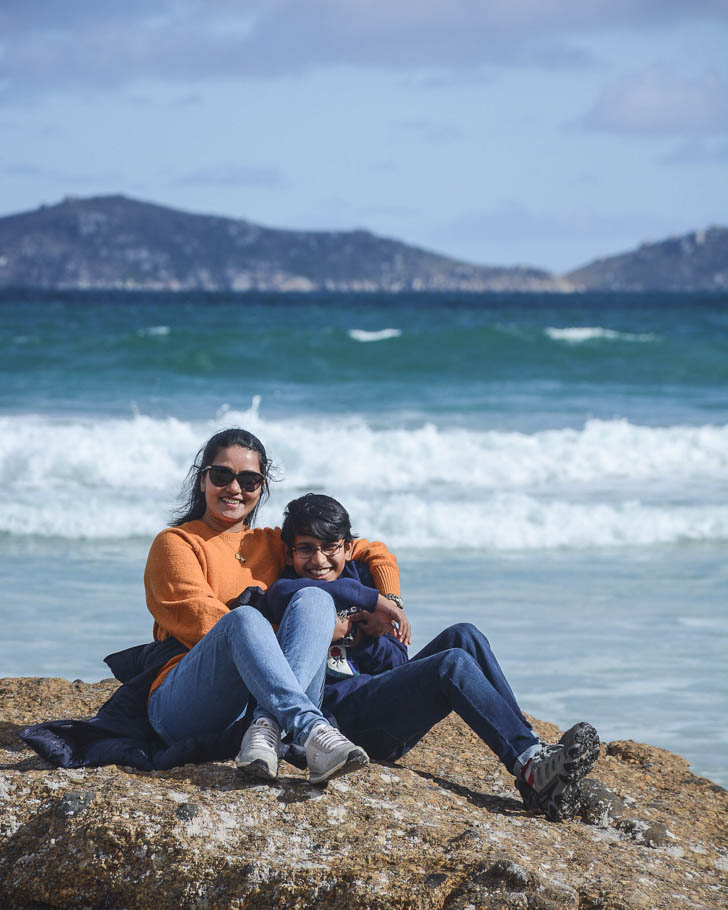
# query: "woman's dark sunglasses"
x,y
220,476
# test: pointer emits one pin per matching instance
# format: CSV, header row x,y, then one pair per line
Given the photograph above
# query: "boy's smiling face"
x,y
321,560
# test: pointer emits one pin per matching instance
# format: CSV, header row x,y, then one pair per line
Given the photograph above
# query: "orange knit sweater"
x,y
192,574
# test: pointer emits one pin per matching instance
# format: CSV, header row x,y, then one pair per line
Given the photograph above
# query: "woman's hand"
x,y
383,619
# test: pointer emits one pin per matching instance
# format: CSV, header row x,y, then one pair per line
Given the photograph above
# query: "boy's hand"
x,y
341,629
382,620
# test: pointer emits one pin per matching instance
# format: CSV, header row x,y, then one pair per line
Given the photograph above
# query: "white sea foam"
x,y
379,335
579,334
521,522
26,339
610,483
154,330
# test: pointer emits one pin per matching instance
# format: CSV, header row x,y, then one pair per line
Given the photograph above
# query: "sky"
x,y
533,132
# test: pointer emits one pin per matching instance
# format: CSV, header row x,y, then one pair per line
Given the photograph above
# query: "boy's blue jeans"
x,y
456,671
240,659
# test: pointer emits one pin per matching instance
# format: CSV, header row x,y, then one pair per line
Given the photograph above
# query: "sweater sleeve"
x,y
347,592
178,595
382,564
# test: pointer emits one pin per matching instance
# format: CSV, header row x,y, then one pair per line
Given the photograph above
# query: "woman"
x,y
195,571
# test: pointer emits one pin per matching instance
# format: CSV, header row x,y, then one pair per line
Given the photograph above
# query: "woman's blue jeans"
x,y
242,659
456,671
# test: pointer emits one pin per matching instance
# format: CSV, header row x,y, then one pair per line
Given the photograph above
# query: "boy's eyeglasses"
x,y
220,476
307,550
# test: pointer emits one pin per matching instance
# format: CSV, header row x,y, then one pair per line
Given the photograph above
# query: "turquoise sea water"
x,y
553,468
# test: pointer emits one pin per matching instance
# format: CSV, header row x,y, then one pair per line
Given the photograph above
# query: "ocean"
x,y
553,468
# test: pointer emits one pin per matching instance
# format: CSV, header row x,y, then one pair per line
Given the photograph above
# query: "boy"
x,y
385,702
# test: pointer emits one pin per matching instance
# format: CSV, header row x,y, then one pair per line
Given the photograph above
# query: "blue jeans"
x,y
457,671
241,659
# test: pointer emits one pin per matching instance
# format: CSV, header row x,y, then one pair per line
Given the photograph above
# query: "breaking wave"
x,y
580,334
609,483
379,335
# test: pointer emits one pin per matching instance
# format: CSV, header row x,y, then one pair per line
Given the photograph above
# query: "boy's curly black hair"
x,y
316,515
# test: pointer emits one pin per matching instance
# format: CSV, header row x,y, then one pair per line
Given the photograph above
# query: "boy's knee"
x,y
462,634
454,662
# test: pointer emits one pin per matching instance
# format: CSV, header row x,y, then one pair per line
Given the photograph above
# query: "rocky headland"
x,y
116,243
693,262
443,828
121,244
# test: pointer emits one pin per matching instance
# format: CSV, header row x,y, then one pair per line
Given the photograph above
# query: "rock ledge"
x,y
442,829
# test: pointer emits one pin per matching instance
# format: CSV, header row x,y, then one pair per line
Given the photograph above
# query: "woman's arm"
x,y
178,595
382,564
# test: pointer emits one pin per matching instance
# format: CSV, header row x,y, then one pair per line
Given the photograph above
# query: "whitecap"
x,y
378,335
153,331
580,334
26,339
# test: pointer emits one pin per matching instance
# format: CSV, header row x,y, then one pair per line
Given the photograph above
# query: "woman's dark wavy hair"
x,y
193,499
316,515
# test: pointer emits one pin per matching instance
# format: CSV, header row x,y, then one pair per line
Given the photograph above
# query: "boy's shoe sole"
x,y
355,759
256,770
562,800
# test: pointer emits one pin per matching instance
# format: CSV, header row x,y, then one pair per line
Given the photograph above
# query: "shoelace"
x,y
549,749
545,763
264,732
328,737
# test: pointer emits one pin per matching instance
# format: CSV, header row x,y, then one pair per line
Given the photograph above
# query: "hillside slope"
x,y
693,262
118,243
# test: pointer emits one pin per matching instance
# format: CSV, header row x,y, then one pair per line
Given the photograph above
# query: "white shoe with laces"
x,y
258,755
329,754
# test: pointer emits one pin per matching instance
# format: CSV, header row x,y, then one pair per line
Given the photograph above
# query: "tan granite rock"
x,y
444,828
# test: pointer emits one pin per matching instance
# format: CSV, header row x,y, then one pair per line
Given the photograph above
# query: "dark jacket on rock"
x,y
121,734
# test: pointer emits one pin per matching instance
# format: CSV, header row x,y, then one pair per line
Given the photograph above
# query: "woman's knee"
x,y
313,599
241,620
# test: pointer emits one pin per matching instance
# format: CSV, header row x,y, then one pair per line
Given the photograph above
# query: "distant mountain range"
x,y
113,242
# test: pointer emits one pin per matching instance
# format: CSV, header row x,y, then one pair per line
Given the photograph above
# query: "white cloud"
x,y
430,130
660,102
231,174
698,152
83,177
80,43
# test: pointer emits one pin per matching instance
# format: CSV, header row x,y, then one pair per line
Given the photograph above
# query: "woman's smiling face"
x,y
226,508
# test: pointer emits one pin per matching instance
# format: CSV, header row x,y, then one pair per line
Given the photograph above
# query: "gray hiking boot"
x,y
551,781
329,754
258,755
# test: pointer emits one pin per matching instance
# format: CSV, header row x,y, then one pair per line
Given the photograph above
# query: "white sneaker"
x,y
330,754
258,755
